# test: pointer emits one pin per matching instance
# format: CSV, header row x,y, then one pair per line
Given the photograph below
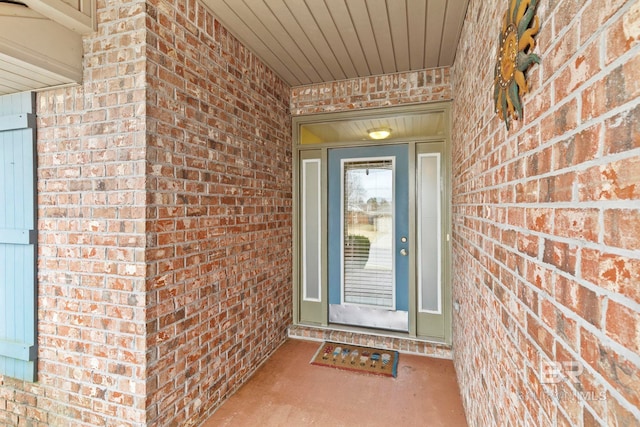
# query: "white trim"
x,y
305,231
80,19
438,233
393,221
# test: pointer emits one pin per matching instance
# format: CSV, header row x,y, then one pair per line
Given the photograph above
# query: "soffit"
x,y
41,42
313,41
20,76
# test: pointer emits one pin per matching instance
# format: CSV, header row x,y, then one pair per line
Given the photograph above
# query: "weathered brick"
x,y
579,148
558,188
594,16
528,244
538,163
577,223
613,181
539,219
588,419
540,277
617,370
623,34
569,403
623,131
565,46
541,336
562,255
527,192
565,327
563,120
594,389
612,272
617,414
581,300
583,68
622,228
623,325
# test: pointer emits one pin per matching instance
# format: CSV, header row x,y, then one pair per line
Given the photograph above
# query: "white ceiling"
x,y
19,76
403,127
35,51
312,41
303,41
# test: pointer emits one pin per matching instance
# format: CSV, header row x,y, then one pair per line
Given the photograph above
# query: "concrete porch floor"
x,y
288,391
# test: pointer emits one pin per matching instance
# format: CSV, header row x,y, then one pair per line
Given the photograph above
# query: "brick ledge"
x,y
401,344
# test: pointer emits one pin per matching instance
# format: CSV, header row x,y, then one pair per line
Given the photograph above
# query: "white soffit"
x,y
35,51
20,76
313,41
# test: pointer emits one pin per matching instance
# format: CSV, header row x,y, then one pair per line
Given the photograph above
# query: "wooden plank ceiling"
x,y
312,41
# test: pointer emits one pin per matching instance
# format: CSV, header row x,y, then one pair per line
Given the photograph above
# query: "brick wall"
x,y
164,195
218,215
372,92
546,242
91,257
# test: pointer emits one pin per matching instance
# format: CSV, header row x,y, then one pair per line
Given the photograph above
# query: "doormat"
x,y
356,358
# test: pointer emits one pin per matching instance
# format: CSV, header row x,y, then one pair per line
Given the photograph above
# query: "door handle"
x,y
403,252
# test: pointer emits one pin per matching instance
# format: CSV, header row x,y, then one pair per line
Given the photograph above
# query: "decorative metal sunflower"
x,y
514,59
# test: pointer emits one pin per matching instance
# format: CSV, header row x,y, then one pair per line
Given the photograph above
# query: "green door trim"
x,y
317,314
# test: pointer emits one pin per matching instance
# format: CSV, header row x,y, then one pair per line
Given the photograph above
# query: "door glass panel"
x,y
429,232
311,230
368,243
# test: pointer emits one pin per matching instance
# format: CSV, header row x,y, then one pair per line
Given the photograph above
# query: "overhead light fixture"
x,y
379,133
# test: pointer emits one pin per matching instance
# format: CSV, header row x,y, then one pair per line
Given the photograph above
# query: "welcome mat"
x,y
356,358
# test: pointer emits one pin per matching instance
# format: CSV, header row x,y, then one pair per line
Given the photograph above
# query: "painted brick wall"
x,y
91,257
219,218
546,236
165,224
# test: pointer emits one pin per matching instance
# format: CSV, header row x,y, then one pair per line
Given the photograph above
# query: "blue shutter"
x,y
18,350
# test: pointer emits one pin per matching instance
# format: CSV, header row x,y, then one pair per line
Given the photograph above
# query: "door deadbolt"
x,y
403,239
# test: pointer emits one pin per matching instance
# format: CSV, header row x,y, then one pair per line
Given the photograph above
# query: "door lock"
x,y
403,252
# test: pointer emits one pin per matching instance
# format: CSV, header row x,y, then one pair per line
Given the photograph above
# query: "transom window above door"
x,y
400,127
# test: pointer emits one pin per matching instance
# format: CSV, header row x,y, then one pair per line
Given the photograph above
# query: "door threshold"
x,y
399,341
369,317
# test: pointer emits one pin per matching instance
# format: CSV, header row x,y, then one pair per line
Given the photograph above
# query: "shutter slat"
x,y
17,121
18,236
18,350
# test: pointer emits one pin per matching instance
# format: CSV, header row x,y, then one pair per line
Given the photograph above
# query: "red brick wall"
x,y
218,213
91,257
91,261
164,202
372,92
546,238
